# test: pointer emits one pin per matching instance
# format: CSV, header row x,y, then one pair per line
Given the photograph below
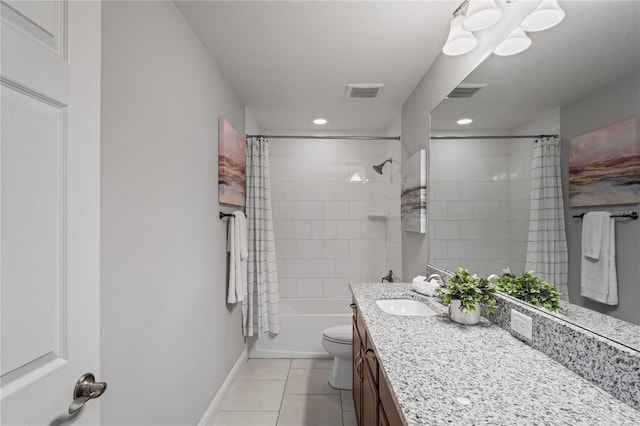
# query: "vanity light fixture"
x,y
481,14
545,16
320,121
515,43
460,41
464,121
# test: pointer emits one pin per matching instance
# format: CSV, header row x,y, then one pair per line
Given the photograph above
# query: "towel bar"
x,y
222,215
632,215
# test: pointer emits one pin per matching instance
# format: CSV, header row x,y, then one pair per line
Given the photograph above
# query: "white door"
x,y
49,208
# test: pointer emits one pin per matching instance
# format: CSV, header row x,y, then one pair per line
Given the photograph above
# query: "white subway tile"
x,y
284,210
348,229
336,210
498,190
438,249
361,249
310,249
310,287
335,249
447,190
374,230
437,210
357,210
346,268
336,172
298,191
357,173
300,230
309,171
379,248
322,268
287,249
310,210
336,287
349,191
322,191
373,268
473,230
461,249
448,230
460,210
323,230
296,268
288,287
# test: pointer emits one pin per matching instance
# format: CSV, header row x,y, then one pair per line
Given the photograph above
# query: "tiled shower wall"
x,y
322,194
471,211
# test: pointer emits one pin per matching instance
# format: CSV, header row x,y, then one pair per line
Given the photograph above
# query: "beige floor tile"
x,y
265,369
312,363
254,395
313,381
347,400
246,418
310,410
349,418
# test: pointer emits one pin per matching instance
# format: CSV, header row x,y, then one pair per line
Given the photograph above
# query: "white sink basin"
x,y
405,307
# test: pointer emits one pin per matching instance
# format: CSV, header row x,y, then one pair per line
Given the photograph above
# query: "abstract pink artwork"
x,y
604,166
231,165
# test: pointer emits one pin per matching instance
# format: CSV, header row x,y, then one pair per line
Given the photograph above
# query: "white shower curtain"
x,y
260,309
547,244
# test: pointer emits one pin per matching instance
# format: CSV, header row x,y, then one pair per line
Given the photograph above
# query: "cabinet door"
x,y
382,417
369,398
357,373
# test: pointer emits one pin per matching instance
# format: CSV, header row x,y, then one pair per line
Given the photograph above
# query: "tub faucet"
x,y
388,277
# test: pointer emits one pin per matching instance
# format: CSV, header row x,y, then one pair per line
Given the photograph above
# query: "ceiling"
x,y
290,61
597,44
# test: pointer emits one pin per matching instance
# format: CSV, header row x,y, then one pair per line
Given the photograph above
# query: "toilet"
x,y
338,342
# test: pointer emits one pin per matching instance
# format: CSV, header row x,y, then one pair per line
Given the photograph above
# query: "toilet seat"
x,y
342,334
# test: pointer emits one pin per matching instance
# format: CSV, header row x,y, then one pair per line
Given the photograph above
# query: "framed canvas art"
x,y
231,165
604,166
414,194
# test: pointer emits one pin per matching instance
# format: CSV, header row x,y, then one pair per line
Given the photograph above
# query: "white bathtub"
x,y
301,325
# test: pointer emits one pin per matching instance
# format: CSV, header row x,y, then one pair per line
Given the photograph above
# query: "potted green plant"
x,y
530,288
464,292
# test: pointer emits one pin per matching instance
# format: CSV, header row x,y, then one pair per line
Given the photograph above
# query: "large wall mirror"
x,y
579,76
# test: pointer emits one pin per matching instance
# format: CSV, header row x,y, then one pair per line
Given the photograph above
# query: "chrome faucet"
x,y
437,277
388,277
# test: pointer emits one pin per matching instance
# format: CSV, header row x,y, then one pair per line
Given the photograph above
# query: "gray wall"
x,y
597,110
168,338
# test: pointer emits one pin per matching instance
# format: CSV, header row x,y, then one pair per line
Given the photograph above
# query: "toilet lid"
x,y
339,334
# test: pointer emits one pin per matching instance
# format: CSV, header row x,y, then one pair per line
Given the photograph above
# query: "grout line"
x,y
283,391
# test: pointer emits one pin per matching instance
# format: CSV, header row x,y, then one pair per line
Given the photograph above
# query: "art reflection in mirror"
x,y
578,77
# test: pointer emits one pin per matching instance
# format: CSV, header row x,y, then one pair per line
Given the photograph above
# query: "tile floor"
x,y
286,392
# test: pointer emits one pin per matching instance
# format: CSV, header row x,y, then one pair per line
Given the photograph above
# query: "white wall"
x,y
324,237
168,338
393,246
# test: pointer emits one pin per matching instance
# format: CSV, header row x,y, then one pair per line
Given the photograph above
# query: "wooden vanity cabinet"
x,y
372,399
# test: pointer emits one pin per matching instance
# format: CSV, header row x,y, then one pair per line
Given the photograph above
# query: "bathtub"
x,y
301,324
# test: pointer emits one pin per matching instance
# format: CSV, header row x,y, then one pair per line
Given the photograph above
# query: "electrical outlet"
x,y
521,324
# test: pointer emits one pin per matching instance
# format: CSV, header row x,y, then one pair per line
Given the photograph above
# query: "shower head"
x,y
379,167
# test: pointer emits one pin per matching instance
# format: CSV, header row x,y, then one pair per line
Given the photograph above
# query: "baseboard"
x,y
212,410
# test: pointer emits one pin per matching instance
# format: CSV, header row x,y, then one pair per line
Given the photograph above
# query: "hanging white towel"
x,y
599,280
238,254
592,225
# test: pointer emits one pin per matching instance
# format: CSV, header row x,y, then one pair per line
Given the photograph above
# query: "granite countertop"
x,y
441,372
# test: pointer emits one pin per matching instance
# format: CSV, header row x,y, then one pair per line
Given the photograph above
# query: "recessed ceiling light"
x,y
464,121
320,121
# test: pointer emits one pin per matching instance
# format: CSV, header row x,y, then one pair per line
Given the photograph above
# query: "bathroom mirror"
x,y
577,77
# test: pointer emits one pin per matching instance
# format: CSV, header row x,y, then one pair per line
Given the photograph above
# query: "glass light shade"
x,y
515,43
545,16
481,14
459,41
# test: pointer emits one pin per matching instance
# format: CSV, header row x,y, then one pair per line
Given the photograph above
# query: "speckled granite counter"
x,y
431,362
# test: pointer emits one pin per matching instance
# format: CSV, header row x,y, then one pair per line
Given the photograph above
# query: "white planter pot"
x,y
467,318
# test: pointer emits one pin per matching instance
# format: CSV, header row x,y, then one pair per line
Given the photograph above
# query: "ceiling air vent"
x,y
363,91
465,90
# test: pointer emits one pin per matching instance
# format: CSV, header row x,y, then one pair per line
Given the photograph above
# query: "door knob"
x,y
86,388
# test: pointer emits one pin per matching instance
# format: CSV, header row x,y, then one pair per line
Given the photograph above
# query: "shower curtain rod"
x,y
358,138
496,137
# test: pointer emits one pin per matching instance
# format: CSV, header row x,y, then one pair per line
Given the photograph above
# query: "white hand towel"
x,y
599,279
421,286
237,247
592,225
